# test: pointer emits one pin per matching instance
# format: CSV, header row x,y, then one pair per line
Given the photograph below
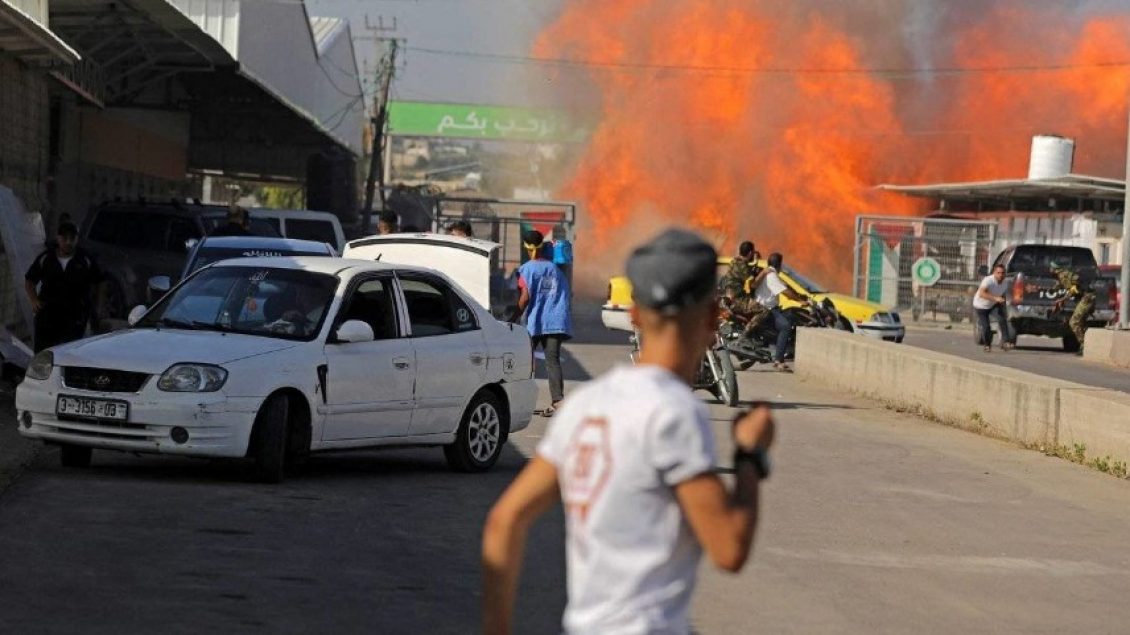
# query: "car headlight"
x,y
41,366
192,378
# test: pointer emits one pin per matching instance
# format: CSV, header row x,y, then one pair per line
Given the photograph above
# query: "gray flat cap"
x,y
676,270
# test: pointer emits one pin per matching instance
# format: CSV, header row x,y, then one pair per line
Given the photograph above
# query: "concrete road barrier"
x,y
993,400
1108,346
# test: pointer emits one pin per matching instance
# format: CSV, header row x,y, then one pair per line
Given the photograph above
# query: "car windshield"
x,y
808,285
208,255
271,302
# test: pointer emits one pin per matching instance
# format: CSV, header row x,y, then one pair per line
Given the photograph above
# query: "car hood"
x,y
154,350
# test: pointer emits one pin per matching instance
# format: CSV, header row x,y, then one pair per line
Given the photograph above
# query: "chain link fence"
x,y
886,249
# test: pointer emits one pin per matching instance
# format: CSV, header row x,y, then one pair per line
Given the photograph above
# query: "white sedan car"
x,y
272,358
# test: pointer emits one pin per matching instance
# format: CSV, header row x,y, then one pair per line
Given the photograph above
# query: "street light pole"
x,y
1124,295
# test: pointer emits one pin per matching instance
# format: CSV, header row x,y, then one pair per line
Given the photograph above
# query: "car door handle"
x,y
477,358
401,363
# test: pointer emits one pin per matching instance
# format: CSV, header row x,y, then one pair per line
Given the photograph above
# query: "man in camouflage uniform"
x,y
1069,281
738,285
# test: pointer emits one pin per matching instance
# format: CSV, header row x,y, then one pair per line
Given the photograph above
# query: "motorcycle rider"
x,y
768,294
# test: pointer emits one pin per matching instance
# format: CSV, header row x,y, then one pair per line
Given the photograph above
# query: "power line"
x,y
630,66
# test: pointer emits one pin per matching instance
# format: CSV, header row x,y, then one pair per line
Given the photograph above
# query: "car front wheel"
x,y
268,439
481,434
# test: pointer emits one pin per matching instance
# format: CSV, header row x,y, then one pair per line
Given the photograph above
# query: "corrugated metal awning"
x,y
1076,186
26,39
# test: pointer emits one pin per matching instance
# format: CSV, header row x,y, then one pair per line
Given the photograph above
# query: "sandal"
x,y
548,412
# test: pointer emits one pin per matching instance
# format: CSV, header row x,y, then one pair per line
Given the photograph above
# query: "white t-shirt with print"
x,y
768,293
991,285
620,444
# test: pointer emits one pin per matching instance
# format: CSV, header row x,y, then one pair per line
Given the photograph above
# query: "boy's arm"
x,y
504,540
724,522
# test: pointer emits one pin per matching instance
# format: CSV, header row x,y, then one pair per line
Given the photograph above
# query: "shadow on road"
x,y
359,542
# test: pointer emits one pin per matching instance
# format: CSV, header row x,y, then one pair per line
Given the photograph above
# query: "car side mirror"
x,y
983,270
135,314
352,331
160,284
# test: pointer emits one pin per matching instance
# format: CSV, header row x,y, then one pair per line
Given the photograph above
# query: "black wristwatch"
x,y
757,457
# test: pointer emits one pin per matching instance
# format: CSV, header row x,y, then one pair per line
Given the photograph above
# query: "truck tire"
x,y
1070,343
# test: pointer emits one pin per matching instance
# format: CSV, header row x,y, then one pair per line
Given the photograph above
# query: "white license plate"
x,y
92,408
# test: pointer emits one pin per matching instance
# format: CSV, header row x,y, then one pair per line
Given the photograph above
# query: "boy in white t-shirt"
x,y
990,300
631,457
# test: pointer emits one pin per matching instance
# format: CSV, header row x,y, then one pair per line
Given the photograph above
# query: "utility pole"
x,y
1124,296
386,68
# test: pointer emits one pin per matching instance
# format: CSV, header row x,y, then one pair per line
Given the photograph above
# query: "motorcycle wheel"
x,y
725,379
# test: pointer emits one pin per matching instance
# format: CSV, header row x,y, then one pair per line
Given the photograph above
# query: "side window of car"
x,y
372,303
144,231
181,230
429,310
464,316
105,227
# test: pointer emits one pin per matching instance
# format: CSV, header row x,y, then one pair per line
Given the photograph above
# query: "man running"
x,y
631,456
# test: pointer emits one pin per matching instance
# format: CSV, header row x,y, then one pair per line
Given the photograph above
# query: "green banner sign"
x,y
472,121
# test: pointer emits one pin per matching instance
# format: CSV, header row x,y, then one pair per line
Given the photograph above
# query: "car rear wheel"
x,y
268,439
481,435
75,455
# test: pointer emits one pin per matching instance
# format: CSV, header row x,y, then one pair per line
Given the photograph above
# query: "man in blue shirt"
x,y
546,300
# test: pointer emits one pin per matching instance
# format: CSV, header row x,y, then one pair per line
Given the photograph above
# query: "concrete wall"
x,y
24,132
1108,347
1001,402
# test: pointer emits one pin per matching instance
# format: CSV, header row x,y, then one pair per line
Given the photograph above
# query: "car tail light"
x,y
1018,289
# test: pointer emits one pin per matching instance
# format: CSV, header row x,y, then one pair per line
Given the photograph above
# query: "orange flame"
x,y
788,159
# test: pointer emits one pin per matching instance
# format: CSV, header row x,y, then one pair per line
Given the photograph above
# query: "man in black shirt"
x,y
61,284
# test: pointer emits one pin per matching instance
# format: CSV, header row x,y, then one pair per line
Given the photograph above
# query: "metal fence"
x,y
886,249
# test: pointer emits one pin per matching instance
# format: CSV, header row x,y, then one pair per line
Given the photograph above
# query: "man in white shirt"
x,y
631,456
769,293
989,300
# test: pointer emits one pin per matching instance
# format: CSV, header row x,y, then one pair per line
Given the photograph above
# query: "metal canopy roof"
x,y
1077,186
130,45
29,41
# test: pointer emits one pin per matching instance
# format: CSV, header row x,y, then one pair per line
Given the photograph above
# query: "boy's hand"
x,y
754,429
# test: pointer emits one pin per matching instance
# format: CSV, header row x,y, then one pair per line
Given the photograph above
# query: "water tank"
x,y
1051,157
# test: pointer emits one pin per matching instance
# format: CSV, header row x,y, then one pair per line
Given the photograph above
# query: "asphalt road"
x,y
1040,355
873,522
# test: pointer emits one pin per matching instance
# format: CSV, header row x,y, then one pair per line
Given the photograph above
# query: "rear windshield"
x,y
1039,258
317,230
208,255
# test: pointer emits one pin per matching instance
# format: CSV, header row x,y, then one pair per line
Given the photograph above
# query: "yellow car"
x,y
864,317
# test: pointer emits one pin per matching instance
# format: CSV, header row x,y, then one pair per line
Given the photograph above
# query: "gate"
x,y
887,247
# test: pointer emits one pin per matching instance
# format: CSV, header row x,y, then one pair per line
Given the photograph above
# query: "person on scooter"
x,y
768,294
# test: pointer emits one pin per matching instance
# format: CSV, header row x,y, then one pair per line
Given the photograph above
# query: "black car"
x,y
137,241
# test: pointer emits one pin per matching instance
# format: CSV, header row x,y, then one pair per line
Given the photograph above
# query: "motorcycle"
x,y
716,373
757,347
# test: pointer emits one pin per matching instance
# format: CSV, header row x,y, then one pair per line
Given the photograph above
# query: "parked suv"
x,y
136,241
